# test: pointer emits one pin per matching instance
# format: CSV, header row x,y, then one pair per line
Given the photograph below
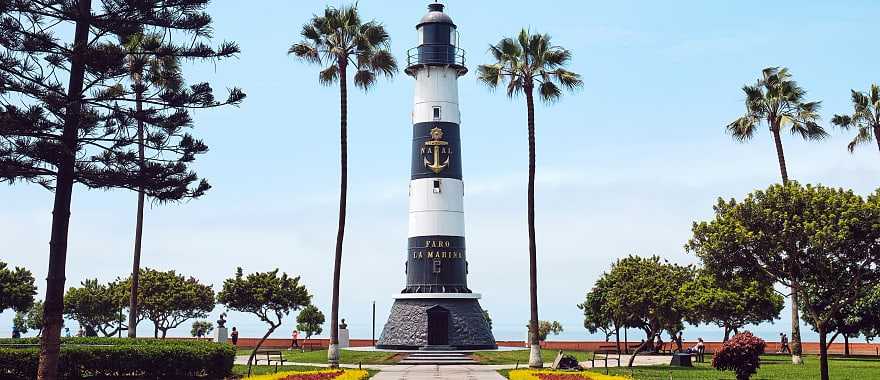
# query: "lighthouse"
x,y
436,309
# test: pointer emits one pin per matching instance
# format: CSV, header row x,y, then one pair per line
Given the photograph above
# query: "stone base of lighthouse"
x,y
436,320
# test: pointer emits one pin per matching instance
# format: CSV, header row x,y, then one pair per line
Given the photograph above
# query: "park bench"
x,y
270,356
606,352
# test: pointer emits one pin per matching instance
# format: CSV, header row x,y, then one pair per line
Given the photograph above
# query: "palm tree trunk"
x,y
877,135
333,350
535,354
50,343
795,317
139,225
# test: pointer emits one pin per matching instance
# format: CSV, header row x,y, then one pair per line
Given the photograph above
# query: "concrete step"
x,y
437,358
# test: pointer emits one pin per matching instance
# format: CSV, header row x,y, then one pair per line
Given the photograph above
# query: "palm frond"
x,y
808,130
381,61
743,129
568,79
490,75
549,92
515,86
306,52
865,135
555,58
842,121
329,75
364,79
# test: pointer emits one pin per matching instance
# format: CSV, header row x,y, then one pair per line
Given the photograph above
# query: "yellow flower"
x,y
529,374
348,374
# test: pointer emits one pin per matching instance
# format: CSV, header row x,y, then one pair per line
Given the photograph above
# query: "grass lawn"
x,y
241,370
772,368
522,356
345,356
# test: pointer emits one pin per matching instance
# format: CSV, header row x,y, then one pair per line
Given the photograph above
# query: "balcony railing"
x,y
435,55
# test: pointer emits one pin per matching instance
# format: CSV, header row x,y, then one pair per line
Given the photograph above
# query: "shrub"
x,y
120,358
741,354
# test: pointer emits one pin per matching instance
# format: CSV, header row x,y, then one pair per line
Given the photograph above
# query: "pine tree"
x,y
85,131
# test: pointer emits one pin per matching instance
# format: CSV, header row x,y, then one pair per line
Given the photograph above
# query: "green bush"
x,y
114,357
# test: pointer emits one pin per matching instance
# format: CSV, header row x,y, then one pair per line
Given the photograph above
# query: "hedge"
x,y
114,357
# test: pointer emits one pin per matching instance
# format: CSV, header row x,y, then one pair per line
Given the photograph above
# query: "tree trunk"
x,y
833,337
641,347
726,333
259,344
795,342
845,345
877,135
823,352
617,337
333,349
139,223
50,343
625,341
535,354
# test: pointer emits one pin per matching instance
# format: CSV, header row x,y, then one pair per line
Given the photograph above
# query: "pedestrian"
x,y
783,344
234,336
294,342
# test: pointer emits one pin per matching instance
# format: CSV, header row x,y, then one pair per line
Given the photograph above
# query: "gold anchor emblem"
x,y
436,142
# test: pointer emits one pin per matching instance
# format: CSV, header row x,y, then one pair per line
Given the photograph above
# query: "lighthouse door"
x,y
438,326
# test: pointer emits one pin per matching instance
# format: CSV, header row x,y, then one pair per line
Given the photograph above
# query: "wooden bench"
x,y
606,351
310,345
270,356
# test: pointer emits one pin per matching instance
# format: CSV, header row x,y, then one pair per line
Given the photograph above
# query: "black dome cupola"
x,y
438,42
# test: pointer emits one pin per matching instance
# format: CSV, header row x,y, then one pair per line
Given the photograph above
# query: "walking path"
x,y
456,372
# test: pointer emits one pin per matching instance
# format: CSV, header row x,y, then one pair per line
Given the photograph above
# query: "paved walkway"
x,y
435,372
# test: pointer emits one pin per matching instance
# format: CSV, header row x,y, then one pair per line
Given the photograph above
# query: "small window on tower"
x,y
436,266
437,113
436,186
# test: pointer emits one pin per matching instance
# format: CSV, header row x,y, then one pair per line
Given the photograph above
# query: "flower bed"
x,y
325,374
528,374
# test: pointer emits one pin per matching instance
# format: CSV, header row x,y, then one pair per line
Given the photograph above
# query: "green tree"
x,y
19,324
648,296
730,303
600,313
310,320
265,294
829,238
525,62
34,318
778,101
865,117
488,318
96,306
335,40
545,328
64,121
17,288
169,299
201,328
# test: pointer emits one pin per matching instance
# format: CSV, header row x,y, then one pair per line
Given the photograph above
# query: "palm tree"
x,y
777,100
146,71
336,40
865,117
528,61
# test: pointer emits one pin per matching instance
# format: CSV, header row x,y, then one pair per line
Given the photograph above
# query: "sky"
x,y
624,166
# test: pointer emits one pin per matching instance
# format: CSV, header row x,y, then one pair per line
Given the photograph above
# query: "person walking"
x,y
783,344
234,336
294,342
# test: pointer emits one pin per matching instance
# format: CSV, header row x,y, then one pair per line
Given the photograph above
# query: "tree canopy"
x,y
730,303
823,242
267,295
169,299
97,306
17,289
310,320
